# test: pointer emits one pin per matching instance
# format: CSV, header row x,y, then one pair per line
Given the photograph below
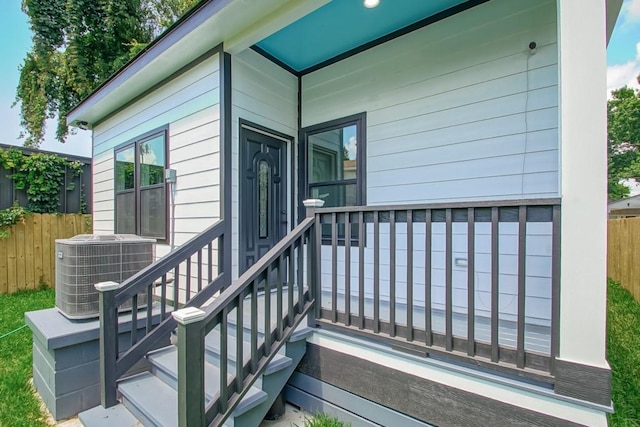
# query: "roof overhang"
x,y
613,10
239,23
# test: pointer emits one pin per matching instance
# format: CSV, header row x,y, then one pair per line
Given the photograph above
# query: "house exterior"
x,y
454,272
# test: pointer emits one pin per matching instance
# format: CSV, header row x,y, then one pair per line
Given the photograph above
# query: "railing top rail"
x,y
256,270
445,205
128,288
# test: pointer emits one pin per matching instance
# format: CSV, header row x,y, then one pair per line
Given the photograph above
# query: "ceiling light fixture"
x,y
371,3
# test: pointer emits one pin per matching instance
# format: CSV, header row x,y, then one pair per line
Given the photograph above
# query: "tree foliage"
x,y
77,44
623,111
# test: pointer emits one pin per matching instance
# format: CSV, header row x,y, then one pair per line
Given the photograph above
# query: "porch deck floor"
x,y
537,337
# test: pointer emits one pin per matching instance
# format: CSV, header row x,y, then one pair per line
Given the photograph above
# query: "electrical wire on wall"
x,y
533,48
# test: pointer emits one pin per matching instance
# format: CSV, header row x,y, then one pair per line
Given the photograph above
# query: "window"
x,y
335,162
141,193
334,167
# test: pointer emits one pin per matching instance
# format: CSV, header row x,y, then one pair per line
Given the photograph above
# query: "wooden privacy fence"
x,y
623,257
27,256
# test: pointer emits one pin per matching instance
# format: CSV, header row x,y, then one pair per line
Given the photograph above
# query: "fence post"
x,y
311,206
108,342
190,366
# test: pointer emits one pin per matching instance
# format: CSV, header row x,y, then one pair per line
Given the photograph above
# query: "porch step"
x,y
150,400
164,364
212,344
117,415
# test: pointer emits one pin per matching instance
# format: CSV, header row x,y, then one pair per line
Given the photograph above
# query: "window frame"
x,y
359,120
137,187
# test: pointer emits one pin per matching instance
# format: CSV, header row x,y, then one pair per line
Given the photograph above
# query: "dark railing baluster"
x,y
267,308
199,270
134,320
176,287
254,324
471,271
240,341
334,268
279,297
449,281
495,277
555,288
149,318
409,275
291,265
188,296
317,266
361,238
427,278
221,260
311,286
522,278
376,272
300,277
209,263
392,273
224,368
347,269
163,297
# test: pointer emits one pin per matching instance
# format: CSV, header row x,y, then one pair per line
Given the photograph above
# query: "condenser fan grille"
x,y
87,259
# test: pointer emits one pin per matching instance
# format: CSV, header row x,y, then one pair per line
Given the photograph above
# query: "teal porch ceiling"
x,y
343,25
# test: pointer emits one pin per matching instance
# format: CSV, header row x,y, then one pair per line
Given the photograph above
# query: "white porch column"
x,y
583,136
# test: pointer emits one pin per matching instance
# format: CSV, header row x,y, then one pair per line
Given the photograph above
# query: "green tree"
x,y
77,44
623,113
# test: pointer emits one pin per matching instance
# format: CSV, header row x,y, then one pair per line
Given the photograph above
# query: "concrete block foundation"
x,y
66,358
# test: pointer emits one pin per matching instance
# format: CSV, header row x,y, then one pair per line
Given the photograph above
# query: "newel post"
x,y
315,242
108,342
190,366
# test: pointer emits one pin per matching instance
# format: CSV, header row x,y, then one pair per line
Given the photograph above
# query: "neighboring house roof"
x,y
624,204
240,24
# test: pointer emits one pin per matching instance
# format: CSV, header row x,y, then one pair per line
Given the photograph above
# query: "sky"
x,y
16,37
623,61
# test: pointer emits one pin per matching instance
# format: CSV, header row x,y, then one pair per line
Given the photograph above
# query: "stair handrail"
x,y
194,325
154,271
114,363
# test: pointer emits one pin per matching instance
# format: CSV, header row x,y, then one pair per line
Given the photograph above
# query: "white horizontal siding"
x,y
458,110
267,95
103,187
189,105
538,268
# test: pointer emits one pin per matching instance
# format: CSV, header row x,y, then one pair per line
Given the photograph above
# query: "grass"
x,y
324,420
623,354
18,406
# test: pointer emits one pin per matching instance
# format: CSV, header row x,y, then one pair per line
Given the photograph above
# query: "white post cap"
x,y
313,203
188,315
106,286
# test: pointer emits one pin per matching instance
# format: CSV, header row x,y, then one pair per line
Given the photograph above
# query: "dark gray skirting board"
x,y
428,401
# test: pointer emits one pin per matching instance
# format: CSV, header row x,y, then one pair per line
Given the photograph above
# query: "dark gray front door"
x,y
263,212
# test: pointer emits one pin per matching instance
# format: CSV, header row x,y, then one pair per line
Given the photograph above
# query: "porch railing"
x,y
261,308
188,276
475,281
